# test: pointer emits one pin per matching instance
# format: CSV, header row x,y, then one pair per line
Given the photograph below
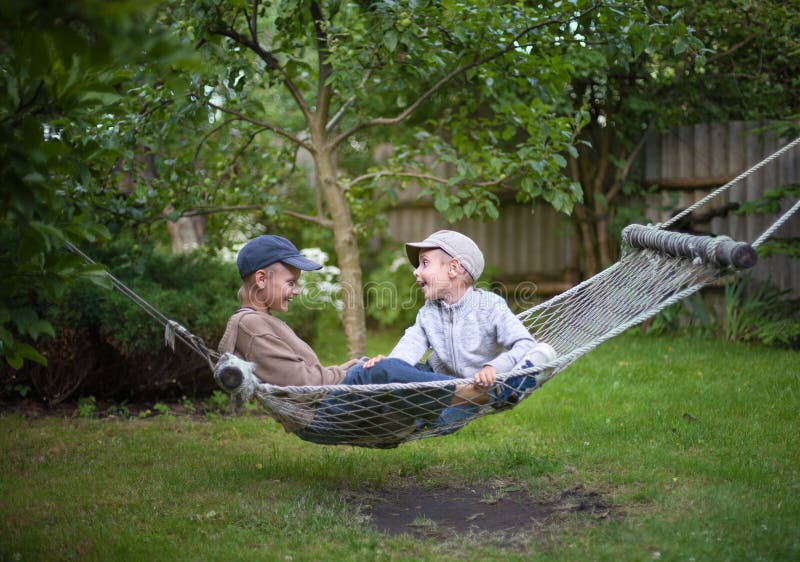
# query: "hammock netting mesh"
x,y
657,268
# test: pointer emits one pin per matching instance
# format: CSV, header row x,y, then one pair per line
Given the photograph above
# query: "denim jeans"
x,y
380,418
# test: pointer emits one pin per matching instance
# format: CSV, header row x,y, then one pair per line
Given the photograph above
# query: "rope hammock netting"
x,y
657,268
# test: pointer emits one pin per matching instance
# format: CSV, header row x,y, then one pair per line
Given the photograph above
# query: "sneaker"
x,y
508,392
540,354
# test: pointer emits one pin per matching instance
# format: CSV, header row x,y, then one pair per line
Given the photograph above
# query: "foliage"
x,y
465,92
109,125
677,63
64,67
218,403
107,346
691,315
391,293
87,406
772,202
378,60
195,289
162,408
749,312
761,314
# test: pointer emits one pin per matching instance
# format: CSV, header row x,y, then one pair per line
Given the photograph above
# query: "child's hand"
x,y
486,376
371,362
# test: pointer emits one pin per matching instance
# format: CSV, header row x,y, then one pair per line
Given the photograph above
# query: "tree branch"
x,y
208,134
252,23
381,173
623,172
264,125
425,177
340,113
244,146
323,66
321,221
269,59
511,45
205,211
733,49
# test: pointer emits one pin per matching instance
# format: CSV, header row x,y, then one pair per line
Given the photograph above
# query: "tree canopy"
x,y
65,68
133,114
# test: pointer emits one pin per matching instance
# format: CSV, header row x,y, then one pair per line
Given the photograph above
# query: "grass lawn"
x,y
694,442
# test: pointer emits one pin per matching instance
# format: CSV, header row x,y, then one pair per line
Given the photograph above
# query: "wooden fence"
x,y
692,161
535,243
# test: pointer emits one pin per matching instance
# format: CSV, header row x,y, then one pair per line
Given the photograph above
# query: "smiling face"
x,y
438,275
273,288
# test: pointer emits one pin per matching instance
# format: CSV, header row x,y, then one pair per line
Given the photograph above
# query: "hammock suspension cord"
x,y
700,202
172,329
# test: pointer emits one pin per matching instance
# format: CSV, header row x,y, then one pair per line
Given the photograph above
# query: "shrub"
x,y
748,312
87,407
391,295
760,313
107,346
694,315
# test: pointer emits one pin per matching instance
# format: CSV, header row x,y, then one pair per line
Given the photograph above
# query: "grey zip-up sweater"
x,y
478,330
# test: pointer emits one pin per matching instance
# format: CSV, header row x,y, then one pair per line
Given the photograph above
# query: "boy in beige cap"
x,y
472,332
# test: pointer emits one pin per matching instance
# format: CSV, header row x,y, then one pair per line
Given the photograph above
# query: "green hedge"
x,y
107,346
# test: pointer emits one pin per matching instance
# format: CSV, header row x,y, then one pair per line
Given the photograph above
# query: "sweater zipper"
x,y
453,343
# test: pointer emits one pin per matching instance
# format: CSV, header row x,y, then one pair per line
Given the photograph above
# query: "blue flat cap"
x,y
267,249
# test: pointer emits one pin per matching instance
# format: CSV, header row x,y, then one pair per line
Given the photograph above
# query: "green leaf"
x,y
559,160
13,359
470,207
390,40
442,204
100,98
27,351
98,275
491,210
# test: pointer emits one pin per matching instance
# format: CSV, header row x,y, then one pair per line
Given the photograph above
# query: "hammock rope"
x,y
657,268
172,329
776,225
700,202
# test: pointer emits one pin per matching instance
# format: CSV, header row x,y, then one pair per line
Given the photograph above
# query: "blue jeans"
x,y
377,418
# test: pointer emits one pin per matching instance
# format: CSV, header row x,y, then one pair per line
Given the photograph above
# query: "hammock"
x,y
657,268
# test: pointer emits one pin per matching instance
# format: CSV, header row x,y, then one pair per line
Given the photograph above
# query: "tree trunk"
x,y
346,245
584,214
594,170
187,233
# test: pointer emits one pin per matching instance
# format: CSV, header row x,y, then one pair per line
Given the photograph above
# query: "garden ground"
x,y
645,449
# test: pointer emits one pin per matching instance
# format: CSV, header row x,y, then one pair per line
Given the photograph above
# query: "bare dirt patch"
x,y
505,511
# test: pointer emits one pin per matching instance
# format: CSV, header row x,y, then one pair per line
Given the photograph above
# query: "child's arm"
x,y
511,335
412,346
